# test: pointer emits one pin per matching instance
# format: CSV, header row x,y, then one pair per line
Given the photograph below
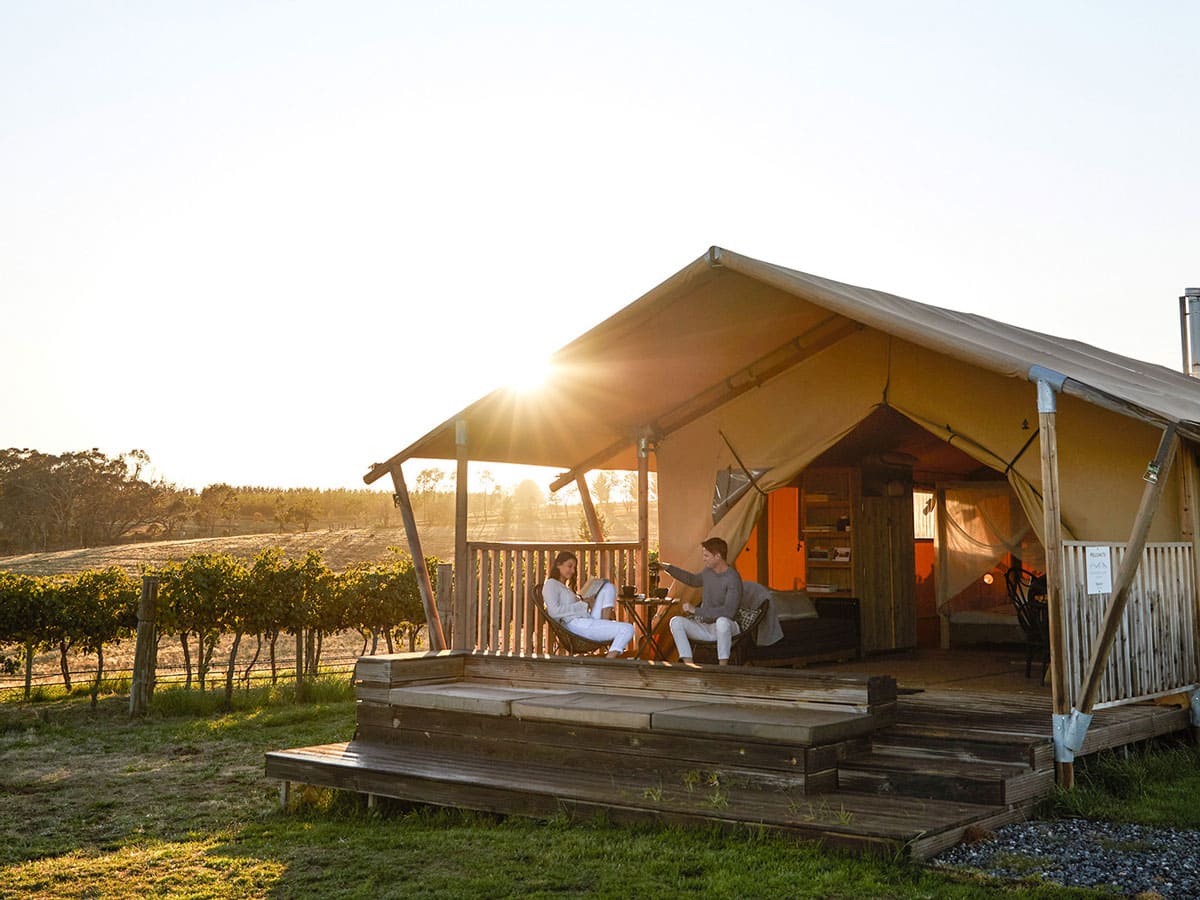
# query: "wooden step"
x,y
911,739
775,766
943,778
839,819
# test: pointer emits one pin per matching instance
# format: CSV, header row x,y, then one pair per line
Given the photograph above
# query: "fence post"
x,y
141,690
445,600
28,669
299,664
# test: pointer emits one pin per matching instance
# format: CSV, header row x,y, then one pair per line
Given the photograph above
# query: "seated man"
x,y
721,594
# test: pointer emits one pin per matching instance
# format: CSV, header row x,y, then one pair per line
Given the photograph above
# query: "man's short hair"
x,y
717,546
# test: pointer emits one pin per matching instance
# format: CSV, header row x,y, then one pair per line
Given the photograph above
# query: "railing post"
x,y
463,575
445,600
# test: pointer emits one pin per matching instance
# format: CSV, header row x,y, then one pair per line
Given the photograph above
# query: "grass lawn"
x,y
92,805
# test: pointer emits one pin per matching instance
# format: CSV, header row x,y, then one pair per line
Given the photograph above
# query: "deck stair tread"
x,y
877,761
894,817
767,723
469,696
594,708
908,740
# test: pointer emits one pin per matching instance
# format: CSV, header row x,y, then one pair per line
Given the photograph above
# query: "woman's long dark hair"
x,y
561,557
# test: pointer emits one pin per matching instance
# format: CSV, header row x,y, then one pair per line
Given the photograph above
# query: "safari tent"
x,y
763,396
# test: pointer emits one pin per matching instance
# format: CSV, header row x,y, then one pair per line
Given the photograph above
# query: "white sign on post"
x,y
1099,570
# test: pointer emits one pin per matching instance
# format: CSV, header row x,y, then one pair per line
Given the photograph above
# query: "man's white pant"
x,y
597,629
722,631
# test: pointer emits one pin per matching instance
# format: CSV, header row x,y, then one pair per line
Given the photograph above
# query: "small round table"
x,y
642,611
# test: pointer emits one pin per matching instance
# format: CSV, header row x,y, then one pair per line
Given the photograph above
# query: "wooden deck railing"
x,y
1155,652
501,576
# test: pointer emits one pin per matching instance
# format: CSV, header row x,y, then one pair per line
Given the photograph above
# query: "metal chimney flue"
x,y
1189,330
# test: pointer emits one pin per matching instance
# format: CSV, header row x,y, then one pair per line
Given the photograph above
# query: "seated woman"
x,y
714,618
573,611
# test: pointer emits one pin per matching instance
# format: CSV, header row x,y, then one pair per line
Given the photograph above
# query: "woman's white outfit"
x,y
564,605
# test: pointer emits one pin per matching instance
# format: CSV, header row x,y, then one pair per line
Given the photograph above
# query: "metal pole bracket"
x,y
1069,731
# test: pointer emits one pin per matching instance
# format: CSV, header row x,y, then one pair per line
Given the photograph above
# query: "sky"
x,y
271,243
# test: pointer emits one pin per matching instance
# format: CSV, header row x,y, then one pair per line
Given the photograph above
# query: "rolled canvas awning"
x,y
726,324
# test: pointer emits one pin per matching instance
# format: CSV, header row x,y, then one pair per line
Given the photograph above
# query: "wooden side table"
x,y
643,611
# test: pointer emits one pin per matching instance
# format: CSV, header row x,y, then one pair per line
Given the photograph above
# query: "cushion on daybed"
x,y
793,605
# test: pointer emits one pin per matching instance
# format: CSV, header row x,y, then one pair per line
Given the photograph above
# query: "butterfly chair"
x,y
572,644
1027,594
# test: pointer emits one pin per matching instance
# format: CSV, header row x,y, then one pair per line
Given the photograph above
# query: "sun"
x,y
526,374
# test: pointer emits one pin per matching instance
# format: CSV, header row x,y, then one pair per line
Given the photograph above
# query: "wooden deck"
x,y
833,757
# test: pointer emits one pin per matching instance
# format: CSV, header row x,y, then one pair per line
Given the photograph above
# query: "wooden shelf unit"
x,y
827,499
864,548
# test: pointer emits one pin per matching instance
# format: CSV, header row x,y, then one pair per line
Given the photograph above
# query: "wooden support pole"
x,y
589,509
141,688
1052,540
433,622
285,795
1151,495
643,459
464,631
445,599
763,563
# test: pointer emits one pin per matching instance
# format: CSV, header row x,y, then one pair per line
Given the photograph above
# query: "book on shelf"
x,y
841,554
818,588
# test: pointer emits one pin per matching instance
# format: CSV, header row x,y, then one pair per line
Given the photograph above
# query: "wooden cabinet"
x,y
862,546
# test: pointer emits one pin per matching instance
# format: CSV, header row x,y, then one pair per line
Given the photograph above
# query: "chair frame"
x,y
738,648
1033,614
574,644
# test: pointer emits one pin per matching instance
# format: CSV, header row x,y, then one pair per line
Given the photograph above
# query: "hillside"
x,y
342,547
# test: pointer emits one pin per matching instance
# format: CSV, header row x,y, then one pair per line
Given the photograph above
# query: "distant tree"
x,y
487,480
630,485
583,531
427,483
527,499
303,511
76,499
602,485
218,503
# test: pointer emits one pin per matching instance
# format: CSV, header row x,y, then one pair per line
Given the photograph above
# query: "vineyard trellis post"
x,y
141,689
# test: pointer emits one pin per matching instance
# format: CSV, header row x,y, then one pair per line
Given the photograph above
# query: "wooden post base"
x,y
285,795
1064,774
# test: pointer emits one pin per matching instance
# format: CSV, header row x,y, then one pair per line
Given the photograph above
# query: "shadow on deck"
x,y
829,756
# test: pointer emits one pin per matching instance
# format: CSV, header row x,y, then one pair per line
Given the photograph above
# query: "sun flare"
x,y
528,374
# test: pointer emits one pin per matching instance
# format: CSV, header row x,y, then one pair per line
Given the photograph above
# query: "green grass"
x,y
93,805
1153,784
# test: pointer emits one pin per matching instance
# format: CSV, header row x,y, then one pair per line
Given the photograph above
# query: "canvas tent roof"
x,y
727,323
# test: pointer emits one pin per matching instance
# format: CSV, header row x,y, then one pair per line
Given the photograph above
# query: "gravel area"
x,y
1082,853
